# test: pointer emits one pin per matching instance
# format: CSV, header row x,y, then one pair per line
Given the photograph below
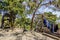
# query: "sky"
x,y
45,8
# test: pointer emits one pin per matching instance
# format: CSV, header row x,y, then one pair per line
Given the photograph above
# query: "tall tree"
x,y
14,7
20,7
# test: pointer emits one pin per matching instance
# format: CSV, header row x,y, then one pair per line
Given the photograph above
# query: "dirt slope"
x,y
17,34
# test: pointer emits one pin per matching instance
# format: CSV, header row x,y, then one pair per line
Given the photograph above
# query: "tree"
x,y
19,8
14,7
38,5
51,17
36,8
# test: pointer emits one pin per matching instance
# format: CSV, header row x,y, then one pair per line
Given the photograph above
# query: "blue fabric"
x,y
44,21
49,25
52,28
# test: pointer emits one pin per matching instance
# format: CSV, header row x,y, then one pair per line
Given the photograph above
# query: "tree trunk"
x,y
33,17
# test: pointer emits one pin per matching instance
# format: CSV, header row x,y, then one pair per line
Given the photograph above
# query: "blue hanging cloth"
x,y
48,25
52,28
45,22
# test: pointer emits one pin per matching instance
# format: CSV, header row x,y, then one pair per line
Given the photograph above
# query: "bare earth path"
x,y
17,34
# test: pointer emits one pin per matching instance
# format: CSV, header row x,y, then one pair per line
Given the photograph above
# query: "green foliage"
x,y
23,22
58,2
59,25
49,16
0,17
17,7
58,18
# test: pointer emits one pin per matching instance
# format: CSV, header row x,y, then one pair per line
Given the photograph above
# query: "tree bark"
x,y
34,16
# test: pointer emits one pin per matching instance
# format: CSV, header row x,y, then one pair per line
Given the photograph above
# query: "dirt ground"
x,y
17,34
58,31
